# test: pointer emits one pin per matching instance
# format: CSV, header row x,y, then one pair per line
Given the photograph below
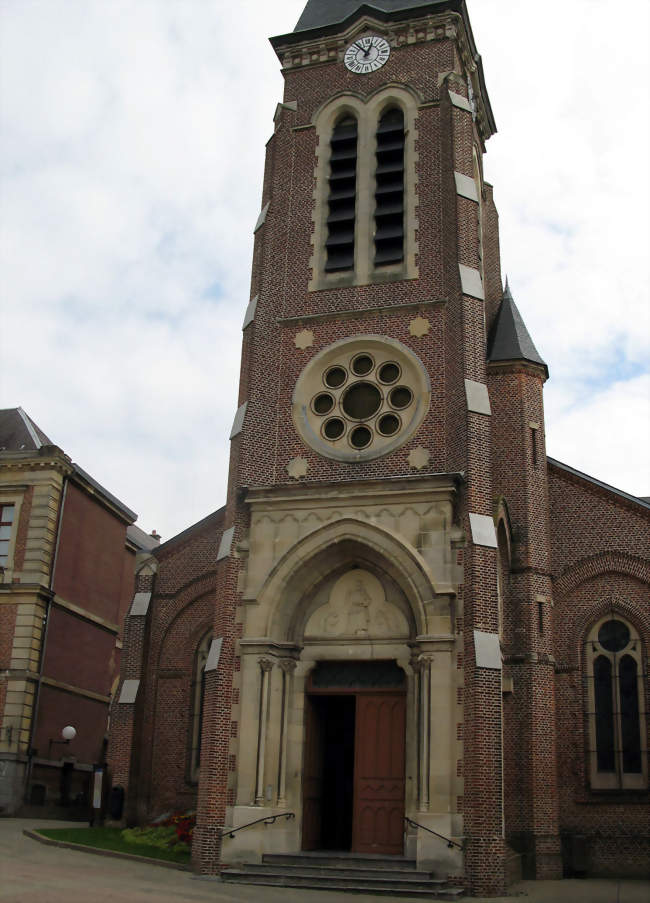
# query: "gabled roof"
x,y
144,541
211,520
18,432
320,13
509,339
644,501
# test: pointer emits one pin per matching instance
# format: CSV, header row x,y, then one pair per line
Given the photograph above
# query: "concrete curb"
x,y
98,851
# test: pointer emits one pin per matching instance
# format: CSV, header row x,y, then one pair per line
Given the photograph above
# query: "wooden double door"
x,y
353,775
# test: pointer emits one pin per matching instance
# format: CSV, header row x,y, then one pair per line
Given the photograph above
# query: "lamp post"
x,y
68,733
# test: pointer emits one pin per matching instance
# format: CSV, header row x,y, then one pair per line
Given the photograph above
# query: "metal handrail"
x,y
268,820
450,843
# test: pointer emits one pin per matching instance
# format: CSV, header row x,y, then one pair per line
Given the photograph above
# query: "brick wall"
x,y
90,555
600,544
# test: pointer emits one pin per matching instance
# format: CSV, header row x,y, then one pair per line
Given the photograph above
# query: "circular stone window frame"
x,y
383,350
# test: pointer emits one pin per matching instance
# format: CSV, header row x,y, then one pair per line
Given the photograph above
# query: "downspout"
x,y
41,655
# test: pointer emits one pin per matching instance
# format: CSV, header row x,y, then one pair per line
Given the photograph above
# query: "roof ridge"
x,y
639,500
30,427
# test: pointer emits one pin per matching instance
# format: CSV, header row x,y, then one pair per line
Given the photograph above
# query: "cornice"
x,y
297,54
438,487
518,366
55,459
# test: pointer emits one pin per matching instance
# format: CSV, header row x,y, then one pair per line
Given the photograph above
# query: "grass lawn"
x,y
111,839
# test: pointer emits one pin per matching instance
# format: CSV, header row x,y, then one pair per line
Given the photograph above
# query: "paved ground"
x,y
33,873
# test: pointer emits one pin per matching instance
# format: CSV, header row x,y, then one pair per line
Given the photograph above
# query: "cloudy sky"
x,y
133,138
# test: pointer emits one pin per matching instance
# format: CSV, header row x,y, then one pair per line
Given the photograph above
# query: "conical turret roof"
x,y
509,339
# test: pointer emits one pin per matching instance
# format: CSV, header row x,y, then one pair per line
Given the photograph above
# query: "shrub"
x,y
173,831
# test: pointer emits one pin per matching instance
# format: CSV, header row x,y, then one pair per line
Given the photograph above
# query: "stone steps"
x,y
392,875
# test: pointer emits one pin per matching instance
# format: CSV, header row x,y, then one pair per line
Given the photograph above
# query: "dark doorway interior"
x,y
353,768
337,716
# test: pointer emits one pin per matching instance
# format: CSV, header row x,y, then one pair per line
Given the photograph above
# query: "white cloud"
x,y
614,432
133,144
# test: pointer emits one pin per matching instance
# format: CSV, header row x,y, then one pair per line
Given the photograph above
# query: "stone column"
x,y
266,664
288,666
424,723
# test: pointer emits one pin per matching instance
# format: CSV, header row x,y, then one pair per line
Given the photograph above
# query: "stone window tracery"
x,y
361,398
618,757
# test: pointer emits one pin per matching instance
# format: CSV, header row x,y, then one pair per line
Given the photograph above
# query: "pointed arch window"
x,y
618,754
503,575
365,215
389,189
197,695
342,196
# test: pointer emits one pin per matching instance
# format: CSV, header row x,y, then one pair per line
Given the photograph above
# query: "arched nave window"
x,y
197,694
617,748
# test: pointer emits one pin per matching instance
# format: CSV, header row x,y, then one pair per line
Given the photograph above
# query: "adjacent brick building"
x,y
67,557
406,619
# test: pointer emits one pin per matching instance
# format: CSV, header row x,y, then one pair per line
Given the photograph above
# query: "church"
x,y
409,637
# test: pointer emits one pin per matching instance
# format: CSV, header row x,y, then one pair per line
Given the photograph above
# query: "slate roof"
x,y
509,339
323,17
320,13
18,432
144,541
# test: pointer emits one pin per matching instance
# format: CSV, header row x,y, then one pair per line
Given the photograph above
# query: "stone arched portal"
x,y
354,590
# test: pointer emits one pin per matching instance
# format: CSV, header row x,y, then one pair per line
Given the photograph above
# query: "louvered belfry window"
x,y
342,196
389,191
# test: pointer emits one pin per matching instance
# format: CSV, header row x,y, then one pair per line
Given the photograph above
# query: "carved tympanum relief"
x,y
357,607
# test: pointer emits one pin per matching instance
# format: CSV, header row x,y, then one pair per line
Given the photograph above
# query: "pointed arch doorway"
x,y
354,757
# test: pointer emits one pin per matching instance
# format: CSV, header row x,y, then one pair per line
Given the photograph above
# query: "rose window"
x,y
361,398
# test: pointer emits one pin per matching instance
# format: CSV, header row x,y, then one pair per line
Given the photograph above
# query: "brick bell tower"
x,y
358,692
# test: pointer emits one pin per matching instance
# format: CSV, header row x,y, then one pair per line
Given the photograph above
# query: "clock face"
x,y
367,54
